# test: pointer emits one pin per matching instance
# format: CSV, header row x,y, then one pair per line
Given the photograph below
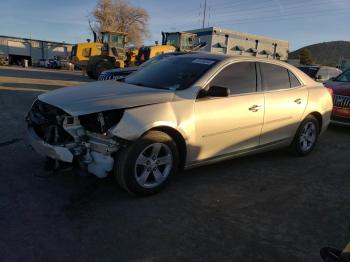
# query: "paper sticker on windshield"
x,y
203,61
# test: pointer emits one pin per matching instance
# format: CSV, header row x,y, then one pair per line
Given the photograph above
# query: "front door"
x,y
229,124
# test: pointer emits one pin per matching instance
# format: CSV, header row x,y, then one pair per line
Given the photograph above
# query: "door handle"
x,y
298,101
254,108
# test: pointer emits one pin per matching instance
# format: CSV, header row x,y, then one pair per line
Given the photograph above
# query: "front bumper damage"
x,y
93,152
55,152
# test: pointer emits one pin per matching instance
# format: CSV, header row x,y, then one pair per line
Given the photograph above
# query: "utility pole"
x,y
204,12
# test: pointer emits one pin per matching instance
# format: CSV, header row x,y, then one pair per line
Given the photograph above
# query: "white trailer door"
x,y
18,48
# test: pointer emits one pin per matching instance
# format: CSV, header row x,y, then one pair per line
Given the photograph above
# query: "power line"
x,y
299,15
270,8
248,5
289,12
248,15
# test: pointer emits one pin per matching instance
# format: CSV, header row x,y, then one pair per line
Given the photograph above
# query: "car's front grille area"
x,y
105,77
47,122
341,101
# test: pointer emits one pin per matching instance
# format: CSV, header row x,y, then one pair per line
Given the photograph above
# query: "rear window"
x,y
294,82
274,77
172,73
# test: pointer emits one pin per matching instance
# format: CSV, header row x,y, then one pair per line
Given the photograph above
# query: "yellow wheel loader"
x,y
182,41
82,52
113,54
105,53
171,42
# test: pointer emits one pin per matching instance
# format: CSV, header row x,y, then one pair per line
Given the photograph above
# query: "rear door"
x,y
230,124
285,102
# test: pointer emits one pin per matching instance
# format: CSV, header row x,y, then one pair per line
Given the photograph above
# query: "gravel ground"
x,y
269,207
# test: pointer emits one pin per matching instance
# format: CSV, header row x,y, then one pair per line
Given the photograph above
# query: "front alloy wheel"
x,y
146,166
153,165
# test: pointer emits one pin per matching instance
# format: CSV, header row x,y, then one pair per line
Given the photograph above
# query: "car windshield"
x,y
172,73
345,64
344,77
154,60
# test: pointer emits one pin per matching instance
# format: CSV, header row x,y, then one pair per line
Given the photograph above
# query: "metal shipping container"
x,y
220,40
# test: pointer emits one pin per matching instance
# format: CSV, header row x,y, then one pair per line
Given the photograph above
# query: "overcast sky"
x,y
301,22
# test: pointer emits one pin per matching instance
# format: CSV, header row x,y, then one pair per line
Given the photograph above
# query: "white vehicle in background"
x,y
320,73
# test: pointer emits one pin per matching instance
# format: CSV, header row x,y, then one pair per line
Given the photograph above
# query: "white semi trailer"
x,y
220,40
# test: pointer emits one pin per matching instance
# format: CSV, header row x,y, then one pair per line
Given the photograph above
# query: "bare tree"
x,y
119,15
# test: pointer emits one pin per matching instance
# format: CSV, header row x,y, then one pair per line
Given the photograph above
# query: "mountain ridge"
x,y
326,53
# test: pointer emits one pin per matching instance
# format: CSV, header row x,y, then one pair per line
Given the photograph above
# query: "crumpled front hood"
x,y
102,96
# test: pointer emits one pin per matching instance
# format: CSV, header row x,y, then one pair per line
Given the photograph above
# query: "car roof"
x,y
308,66
205,55
228,58
222,58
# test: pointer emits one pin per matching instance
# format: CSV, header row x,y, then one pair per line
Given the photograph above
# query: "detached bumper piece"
x,y
45,149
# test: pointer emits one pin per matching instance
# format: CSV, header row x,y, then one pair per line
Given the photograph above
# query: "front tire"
x,y
146,166
306,137
101,67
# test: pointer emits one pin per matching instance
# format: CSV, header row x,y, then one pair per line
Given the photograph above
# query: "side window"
x,y
294,82
87,52
274,77
240,78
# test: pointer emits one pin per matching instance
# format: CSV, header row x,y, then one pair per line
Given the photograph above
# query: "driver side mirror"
x,y
218,91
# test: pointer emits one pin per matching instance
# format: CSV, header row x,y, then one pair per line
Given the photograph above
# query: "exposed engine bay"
x,y
84,140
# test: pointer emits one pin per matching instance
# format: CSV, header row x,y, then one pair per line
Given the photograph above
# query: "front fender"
x,y
136,121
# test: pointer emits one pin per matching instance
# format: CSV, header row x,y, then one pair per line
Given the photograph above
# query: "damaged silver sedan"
x,y
182,112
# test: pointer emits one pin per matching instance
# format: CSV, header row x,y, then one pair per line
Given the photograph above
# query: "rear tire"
x,y
146,166
306,137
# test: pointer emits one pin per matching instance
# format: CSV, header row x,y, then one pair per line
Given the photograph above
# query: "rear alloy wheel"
x,y
145,167
306,137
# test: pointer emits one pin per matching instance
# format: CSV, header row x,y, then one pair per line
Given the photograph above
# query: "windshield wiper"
x,y
136,84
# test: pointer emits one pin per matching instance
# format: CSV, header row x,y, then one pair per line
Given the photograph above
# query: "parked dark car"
x,y
54,64
320,73
120,73
340,87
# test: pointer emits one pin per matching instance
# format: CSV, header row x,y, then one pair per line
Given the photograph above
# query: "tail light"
x,y
330,90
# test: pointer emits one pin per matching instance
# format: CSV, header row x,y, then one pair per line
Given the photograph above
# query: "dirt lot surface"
x,y
270,207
